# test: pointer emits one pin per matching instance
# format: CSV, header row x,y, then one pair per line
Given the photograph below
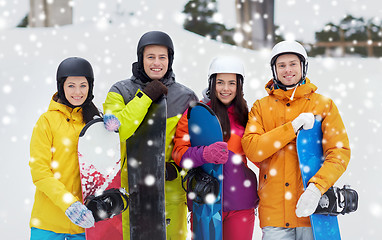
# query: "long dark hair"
x,y
239,103
89,111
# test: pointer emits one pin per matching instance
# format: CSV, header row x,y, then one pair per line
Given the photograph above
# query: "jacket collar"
x,y
301,91
230,108
167,81
70,113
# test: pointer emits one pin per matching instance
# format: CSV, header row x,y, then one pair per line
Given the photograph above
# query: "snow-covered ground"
x,y
28,64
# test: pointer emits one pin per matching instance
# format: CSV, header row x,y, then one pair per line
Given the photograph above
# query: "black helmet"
x,y
153,38
74,66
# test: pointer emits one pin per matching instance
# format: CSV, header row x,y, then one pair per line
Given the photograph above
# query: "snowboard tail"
x,y
204,129
311,158
146,175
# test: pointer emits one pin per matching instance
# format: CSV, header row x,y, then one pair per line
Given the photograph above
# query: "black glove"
x,y
155,89
171,171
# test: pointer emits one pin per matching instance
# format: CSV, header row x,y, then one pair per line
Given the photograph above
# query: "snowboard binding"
x,y
107,204
201,184
338,201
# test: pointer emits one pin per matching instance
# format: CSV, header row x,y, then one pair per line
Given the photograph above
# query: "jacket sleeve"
x,y
335,144
41,163
182,145
258,144
130,114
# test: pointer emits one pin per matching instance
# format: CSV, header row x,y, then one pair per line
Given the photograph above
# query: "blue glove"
x,y
111,122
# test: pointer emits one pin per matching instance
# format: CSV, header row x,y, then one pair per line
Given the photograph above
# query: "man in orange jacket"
x,y
270,141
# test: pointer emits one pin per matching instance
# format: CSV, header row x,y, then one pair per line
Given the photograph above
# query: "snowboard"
x,y
311,158
146,175
99,160
204,129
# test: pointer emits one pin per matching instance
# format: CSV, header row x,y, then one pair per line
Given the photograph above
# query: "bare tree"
x,y
50,13
255,20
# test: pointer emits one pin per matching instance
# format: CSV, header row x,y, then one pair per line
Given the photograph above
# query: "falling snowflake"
x,y
195,129
273,172
191,195
247,183
98,150
210,198
149,180
133,162
187,163
237,159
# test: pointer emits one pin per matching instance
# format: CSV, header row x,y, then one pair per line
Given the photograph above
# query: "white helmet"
x,y
226,64
285,47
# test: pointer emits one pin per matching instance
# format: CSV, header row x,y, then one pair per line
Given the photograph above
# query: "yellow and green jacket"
x,y
54,167
129,104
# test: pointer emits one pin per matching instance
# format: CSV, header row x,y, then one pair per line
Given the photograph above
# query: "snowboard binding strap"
x,y
201,184
338,201
108,204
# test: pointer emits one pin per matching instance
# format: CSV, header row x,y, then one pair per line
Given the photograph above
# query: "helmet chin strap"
x,y
294,91
280,85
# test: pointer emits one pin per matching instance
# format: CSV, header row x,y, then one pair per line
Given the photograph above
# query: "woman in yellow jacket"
x,y
58,212
270,141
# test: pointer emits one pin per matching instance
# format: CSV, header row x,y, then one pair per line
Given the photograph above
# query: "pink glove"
x,y
216,153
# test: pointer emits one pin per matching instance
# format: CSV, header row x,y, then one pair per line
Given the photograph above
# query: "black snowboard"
x,y
146,175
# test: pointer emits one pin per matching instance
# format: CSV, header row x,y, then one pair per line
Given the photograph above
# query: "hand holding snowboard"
x,y
80,215
216,153
308,201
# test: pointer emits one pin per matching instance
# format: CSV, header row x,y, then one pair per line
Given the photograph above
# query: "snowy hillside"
x,y
28,63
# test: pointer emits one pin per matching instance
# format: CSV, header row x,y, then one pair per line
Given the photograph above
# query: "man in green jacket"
x,y
130,99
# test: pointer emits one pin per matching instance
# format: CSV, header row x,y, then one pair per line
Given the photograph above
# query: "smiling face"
x,y
155,61
288,69
226,85
76,90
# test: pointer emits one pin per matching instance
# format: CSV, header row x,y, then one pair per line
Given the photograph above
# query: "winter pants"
x,y
237,224
176,210
279,233
39,234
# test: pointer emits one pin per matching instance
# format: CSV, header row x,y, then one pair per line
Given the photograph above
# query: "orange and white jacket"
x,y
270,142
